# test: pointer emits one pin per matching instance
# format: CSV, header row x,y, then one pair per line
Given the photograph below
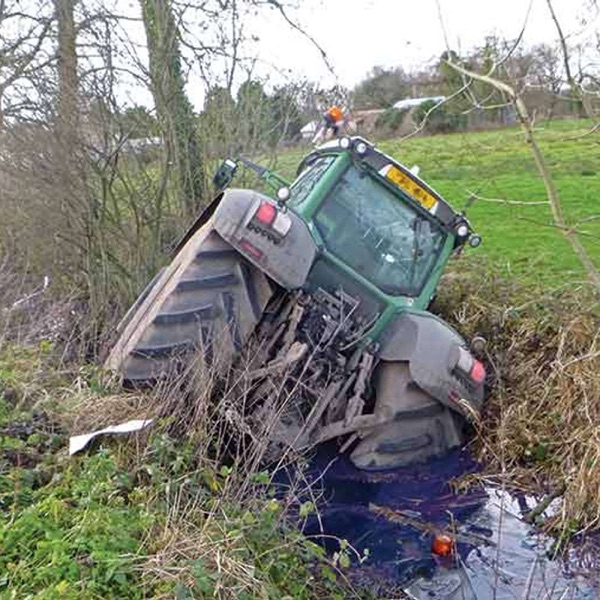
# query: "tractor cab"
x,y
379,232
378,218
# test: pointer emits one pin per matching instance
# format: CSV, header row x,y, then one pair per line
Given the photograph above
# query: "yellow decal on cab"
x,y
411,187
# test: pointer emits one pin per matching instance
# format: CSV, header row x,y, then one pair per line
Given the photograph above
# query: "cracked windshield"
x,y
378,235
309,178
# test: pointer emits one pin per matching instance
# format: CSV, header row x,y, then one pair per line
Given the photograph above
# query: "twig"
x,y
544,504
503,201
595,128
307,35
33,294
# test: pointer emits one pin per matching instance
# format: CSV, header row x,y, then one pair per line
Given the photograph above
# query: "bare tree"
x,y
578,95
100,212
22,52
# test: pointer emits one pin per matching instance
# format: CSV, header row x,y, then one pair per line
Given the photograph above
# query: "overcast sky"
x,y
359,34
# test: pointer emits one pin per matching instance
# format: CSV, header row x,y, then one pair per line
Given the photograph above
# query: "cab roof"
x,y
394,171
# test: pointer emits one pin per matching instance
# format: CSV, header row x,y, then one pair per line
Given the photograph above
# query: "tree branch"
x,y
552,193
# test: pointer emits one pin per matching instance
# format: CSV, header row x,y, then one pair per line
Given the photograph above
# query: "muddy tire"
x,y
417,426
206,302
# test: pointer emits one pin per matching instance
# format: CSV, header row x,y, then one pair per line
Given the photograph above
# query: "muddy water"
x,y
395,516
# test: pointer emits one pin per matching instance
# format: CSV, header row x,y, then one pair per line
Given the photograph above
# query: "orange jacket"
x,y
335,112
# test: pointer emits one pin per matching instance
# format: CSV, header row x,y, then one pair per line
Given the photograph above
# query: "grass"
x,y
520,239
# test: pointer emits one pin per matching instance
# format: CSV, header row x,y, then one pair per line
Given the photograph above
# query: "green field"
x,y
519,240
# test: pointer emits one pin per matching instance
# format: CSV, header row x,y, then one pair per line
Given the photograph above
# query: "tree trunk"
x,y
175,114
68,83
75,225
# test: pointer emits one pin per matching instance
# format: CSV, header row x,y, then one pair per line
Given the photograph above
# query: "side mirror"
x,y
224,175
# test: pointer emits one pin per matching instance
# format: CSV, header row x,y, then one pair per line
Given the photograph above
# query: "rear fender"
x,y
431,348
288,261
205,215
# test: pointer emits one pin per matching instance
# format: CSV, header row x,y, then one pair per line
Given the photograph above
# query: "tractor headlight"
x,y
361,148
462,231
474,241
345,143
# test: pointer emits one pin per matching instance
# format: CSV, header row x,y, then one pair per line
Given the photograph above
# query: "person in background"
x,y
333,120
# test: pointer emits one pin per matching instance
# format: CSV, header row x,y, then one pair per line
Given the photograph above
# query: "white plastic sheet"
x,y
79,442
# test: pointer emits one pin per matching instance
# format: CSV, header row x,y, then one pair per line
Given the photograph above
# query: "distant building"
x,y
309,130
136,145
413,102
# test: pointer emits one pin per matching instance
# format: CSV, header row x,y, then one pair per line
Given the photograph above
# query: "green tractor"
x,y
326,284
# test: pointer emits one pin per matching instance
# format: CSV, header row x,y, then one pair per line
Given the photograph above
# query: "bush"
x,y
391,120
78,535
442,119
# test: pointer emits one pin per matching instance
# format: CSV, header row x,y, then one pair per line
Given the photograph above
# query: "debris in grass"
x,y
79,442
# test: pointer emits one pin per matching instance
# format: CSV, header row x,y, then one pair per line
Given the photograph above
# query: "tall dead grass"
x,y
540,431
241,532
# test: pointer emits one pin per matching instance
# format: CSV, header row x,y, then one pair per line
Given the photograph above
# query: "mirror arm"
x,y
275,180
261,171
271,178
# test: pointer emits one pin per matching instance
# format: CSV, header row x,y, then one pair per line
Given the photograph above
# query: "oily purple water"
x,y
498,555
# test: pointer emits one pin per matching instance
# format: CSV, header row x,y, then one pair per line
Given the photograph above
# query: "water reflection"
x,y
395,515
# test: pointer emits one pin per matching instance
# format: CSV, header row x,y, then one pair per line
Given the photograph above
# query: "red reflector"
x,y
251,249
266,213
477,373
442,544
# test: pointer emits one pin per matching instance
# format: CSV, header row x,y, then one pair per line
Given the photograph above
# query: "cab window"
x,y
307,180
378,234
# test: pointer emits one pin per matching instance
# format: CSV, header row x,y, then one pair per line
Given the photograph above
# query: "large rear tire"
x,y
417,427
208,299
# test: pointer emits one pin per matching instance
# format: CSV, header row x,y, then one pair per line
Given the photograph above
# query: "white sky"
x,y
359,34
362,33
